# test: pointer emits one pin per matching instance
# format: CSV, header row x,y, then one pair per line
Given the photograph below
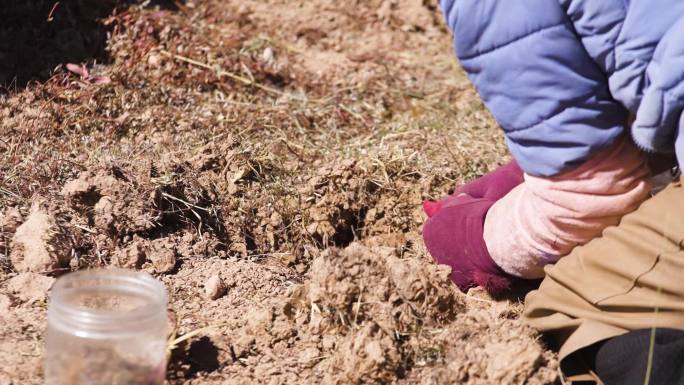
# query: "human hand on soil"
x,y
453,234
493,186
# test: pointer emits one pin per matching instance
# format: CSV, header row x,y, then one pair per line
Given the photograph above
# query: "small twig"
x,y
52,12
651,345
358,306
241,79
173,343
268,255
249,73
314,359
7,192
184,202
351,112
86,229
290,149
478,299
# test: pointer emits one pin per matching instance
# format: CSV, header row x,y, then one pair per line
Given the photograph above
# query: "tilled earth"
x,y
266,160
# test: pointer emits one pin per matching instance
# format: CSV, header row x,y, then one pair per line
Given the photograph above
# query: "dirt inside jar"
x,y
107,367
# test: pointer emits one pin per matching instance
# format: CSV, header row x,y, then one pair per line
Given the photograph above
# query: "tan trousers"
x,y
632,277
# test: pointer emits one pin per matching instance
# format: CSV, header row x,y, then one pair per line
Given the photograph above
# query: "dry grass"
x,y
219,93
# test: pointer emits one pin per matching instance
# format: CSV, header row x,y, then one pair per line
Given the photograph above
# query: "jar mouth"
x,y
102,302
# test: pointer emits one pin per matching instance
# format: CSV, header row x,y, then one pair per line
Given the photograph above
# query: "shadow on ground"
x,y
38,35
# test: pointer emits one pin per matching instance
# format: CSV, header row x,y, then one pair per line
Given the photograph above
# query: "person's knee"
x,y
645,356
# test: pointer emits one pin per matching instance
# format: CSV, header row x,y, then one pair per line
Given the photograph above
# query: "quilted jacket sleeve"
x,y
538,80
659,124
637,43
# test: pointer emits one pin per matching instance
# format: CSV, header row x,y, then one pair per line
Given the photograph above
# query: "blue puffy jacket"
x,y
560,76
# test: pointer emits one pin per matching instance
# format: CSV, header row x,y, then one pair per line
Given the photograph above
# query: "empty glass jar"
x,y
106,327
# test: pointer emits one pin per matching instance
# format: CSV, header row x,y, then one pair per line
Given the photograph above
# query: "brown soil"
x,y
266,161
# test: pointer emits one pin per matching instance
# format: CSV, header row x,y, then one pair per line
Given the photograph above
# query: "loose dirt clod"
x,y
30,286
163,256
132,256
214,288
10,219
5,303
38,245
368,356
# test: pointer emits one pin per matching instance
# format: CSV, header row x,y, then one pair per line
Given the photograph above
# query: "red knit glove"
x,y
453,236
453,230
492,186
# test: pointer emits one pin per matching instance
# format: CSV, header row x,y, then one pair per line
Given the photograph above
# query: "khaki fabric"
x,y
632,277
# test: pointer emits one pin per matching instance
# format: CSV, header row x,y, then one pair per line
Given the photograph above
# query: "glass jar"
x,y
106,327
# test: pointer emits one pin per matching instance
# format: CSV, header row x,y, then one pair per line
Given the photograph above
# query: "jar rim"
x,y
90,322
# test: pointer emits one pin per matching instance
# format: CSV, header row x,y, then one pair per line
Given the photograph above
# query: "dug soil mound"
x,y
267,162
366,316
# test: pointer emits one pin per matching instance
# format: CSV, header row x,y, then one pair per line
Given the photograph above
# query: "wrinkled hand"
x,y
453,236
